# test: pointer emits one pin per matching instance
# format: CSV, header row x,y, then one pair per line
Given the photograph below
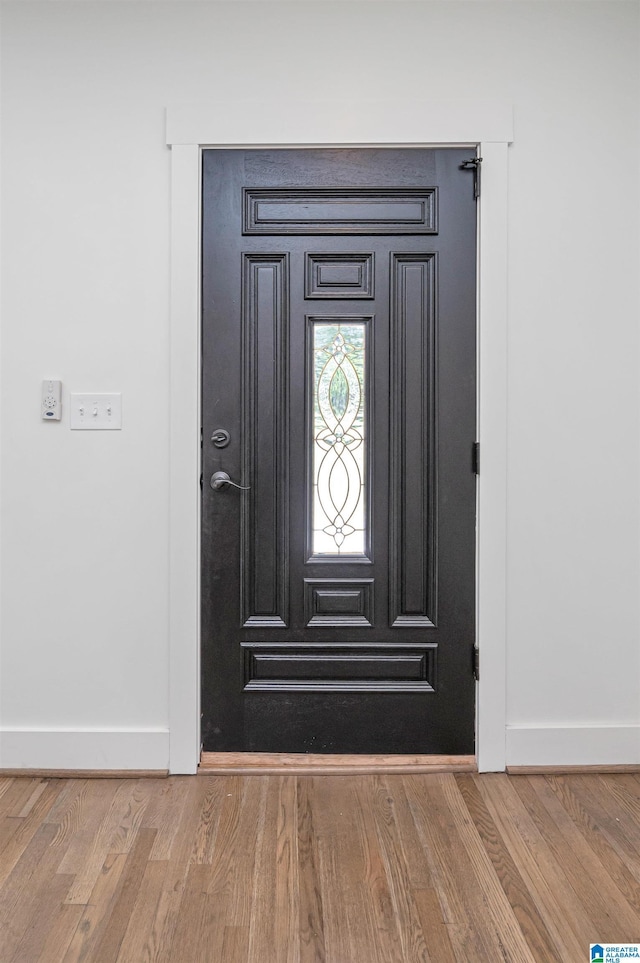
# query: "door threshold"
x,y
329,764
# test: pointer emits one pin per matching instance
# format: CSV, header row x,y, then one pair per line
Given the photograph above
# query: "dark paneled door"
x,y
338,338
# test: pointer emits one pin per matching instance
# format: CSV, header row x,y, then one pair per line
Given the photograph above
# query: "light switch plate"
x,y
95,412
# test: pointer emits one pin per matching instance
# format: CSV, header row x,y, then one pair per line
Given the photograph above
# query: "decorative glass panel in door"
x,y
338,404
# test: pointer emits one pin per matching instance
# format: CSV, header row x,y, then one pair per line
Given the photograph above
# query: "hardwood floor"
x,y
446,867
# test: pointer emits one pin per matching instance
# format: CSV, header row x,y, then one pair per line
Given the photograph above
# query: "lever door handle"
x,y
220,480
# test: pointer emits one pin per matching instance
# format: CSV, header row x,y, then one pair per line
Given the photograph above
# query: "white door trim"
x,y
367,123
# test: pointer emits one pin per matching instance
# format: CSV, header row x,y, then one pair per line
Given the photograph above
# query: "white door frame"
x,y
246,124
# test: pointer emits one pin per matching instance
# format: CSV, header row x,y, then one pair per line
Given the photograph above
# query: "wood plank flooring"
x,y
446,867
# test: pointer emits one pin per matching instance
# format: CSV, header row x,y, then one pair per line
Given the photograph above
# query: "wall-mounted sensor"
x,y
51,400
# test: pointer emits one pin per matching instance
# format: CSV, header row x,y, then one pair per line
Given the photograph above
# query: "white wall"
x,y
84,659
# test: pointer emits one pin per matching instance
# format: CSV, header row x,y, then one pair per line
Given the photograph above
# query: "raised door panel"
x,y
413,576
264,518
340,211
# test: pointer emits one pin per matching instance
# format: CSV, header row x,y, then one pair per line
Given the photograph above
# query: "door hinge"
x,y
476,663
475,458
473,164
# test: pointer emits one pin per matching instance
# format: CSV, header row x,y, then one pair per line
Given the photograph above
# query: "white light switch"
x,y
98,412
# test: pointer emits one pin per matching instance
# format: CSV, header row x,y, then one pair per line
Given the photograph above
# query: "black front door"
x,y
338,342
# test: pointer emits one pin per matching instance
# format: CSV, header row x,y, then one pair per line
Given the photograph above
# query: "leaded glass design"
x,y
339,438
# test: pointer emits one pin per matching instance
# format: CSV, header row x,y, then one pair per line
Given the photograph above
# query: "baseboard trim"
x,y
571,746
84,750
84,773
308,764
569,770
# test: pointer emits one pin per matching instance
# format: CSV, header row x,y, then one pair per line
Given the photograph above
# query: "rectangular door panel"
x,y
340,211
339,276
264,508
349,668
339,602
414,418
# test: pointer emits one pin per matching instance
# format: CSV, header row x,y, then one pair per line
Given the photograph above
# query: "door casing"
x,y
226,124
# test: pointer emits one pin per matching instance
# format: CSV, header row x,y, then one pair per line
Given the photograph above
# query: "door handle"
x,y
220,480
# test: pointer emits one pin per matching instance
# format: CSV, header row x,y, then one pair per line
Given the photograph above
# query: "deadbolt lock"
x,y
221,438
